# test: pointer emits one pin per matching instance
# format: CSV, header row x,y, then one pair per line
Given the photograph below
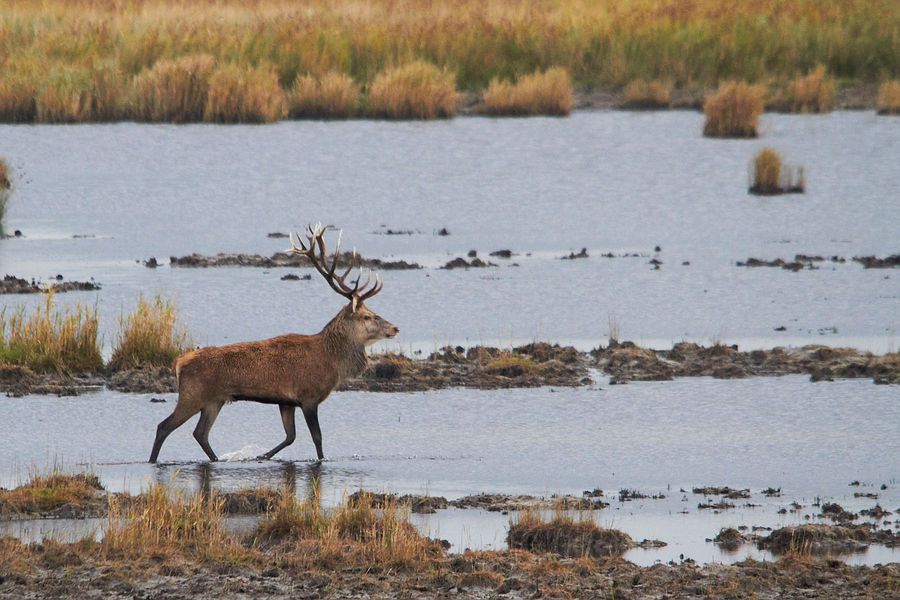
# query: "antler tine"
x,y
379,283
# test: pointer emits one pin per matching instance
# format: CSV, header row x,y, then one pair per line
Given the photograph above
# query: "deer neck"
x,y
347,353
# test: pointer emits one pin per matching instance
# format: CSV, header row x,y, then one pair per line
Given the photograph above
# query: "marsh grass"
x,y
417,90
75,94
644,95
771,175
17,97
44,492
889,98
149,336
565,534
240,94
50,339
334,96
303,535
733,111
163,523
173,91
548,93
811,93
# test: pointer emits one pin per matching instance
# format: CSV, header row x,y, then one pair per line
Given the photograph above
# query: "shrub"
x,y
173,91
640,94
417,90
548,93
733,110
334,96
149,336
240,94
771,176
50,339
812,93
889,98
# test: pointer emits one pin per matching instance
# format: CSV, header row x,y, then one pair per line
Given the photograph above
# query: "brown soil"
x,y
52,570
15,285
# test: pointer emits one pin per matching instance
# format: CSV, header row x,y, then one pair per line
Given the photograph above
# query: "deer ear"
x,y
355,300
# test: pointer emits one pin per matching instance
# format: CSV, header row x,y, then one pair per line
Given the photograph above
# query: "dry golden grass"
x,y
17,97
51,339
46,492
149,336
565,535
173,91
733,110
302,535
772,176
889,98
417,90
240,94
548,93
641,94
75,94
334,96
812,93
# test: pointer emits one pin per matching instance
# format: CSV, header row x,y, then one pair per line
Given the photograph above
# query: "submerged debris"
x,y
15,285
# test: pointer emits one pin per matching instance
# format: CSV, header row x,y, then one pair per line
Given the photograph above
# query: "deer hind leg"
x,y
183,411
290,430
201,432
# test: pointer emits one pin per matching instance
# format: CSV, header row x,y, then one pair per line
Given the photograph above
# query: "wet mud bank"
x,y
534,365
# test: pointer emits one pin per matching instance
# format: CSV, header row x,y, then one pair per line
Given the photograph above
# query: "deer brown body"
x,y
292,371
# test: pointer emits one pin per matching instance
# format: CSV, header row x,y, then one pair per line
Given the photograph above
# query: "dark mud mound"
x,y
16,285
461,263
285,259
628,362
729,539
567,537
144,380
505,503
873,262
424,505
480,367
16,381
816,539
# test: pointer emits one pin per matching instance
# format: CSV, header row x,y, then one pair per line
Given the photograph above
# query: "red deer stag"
x,y
289,370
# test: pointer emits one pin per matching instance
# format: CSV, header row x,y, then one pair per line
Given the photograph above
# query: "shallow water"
x,y
612,182
811,440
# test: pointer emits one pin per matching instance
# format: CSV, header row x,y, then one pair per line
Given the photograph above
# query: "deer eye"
x,y
367,318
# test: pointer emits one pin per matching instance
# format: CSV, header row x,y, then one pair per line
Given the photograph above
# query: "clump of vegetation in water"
x,y
334,96
44,492
812,93
889,98
418,90
548,93
772,176
51,339
239,94
173,91
149,336
565,535
733,111
640,94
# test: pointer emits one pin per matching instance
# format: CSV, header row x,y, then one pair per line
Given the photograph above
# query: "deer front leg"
x,y
290,430
311,415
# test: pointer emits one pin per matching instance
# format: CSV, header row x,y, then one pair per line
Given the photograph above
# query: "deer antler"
x,y
316,241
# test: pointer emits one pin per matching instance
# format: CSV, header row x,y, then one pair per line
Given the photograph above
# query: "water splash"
x,y
246,453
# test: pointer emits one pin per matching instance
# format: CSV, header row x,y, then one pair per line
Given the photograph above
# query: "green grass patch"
x,y
49,491
149,336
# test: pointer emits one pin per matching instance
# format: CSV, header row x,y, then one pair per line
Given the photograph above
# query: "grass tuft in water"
x,y
239,94
149,336
334,96
173,91
889,98
772,176
548,93
733,110
565,535
48,491
50,339
418,90
812,93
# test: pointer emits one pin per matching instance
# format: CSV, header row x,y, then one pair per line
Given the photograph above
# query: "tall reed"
x,y
51,339
239,94
173,91
334,96
548,93
733,110
889,98
812,93
417,90
149,336
75,94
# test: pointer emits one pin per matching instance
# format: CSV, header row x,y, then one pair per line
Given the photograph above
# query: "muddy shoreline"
x,y
533,365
